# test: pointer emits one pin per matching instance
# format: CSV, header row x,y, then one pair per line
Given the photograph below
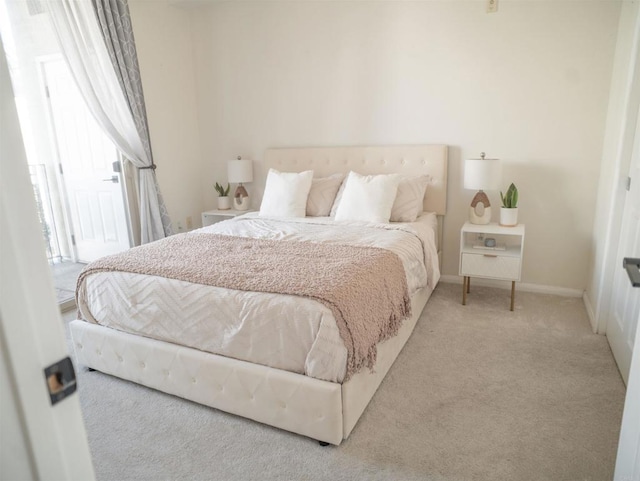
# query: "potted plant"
x,y
224,201
509,209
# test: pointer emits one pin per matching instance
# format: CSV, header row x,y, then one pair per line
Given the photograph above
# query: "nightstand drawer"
x,y
496,267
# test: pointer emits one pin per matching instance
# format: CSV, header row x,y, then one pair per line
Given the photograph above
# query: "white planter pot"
x,y
224,203
508,217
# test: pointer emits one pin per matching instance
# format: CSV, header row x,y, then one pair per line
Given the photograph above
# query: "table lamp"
x,y
240,171
481,174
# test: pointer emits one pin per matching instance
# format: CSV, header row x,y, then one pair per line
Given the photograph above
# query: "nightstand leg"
x,y
465,280
468,284
513,293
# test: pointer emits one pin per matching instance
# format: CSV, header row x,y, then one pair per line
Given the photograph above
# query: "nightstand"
x,y
212,216
500,258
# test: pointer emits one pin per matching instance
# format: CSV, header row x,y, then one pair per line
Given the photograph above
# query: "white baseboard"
x,y
521,286
590,313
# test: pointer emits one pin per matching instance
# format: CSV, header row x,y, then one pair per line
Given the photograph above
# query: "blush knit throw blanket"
x,y
365,287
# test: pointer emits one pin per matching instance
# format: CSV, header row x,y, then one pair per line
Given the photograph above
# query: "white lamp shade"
x,y
482,174
239,171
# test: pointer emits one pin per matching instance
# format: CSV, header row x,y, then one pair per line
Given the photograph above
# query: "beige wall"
x,y
165,54
528,84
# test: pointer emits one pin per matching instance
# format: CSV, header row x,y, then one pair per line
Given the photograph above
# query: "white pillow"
x,y
285,194
368,198
336,202
322,194
409,201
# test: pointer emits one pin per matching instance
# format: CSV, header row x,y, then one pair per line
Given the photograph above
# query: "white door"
x,y
94,191
38,439
622,320
628,459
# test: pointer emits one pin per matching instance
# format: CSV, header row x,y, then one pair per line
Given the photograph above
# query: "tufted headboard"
x,y
410,159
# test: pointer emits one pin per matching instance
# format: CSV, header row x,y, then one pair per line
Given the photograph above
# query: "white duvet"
x,y
286,332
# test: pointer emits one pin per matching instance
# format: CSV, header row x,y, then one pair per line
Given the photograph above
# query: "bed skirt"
x,y
321,410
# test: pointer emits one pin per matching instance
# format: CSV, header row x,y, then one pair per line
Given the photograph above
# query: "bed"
x,y
324,404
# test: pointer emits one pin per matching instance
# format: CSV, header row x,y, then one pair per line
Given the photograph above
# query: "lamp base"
x,y
241,200
480,209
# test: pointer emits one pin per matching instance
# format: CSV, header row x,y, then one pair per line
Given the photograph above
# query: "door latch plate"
x,y
61,380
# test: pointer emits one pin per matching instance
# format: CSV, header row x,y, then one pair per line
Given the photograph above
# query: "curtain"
x,y
97,41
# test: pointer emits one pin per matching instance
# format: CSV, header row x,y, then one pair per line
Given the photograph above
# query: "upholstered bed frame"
x,y
321,410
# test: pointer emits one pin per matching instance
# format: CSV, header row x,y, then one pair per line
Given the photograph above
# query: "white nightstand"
x,y
502,262
212,216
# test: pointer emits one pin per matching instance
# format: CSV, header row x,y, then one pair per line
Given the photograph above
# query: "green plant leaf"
x,y
510,199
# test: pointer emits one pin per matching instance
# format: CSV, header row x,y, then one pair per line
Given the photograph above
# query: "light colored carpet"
x,y
478,393
65,275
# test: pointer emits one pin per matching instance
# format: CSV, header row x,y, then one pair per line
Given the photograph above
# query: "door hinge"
x,y
628,186
60,168
73,239
61,380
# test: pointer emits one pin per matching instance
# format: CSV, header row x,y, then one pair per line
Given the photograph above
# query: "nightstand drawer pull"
x,y
489,255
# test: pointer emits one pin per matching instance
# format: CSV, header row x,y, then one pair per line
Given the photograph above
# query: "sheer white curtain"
x,y
83,46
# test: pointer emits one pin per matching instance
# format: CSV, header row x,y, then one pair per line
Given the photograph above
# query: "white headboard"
x,y
410,159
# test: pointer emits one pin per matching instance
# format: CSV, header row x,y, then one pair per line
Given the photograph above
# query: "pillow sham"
x,y
322,195
409,201
368,198
336,202
285,193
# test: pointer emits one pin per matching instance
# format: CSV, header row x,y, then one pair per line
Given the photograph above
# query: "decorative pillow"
x,y
368,198
285,194
410,198
322,194
336,202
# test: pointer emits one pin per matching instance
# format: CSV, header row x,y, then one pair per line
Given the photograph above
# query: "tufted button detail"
x,y
403,162
142,365
252,397
98,352
79,346
424,162
120,358
166,372
193,380
283,405
383,161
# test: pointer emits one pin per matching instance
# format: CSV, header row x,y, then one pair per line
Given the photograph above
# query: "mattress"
x,y
292,333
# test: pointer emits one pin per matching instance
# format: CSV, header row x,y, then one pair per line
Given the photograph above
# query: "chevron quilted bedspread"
x,y
283,331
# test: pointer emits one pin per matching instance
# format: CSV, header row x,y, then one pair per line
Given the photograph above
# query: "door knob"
x,y
113,178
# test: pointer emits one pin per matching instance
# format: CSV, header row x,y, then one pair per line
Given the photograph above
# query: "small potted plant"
x,y
509,209
224,201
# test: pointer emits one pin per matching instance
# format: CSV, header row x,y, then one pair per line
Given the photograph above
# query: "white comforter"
x,y
285,332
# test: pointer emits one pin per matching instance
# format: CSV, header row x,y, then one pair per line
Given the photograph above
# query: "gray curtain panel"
x,y
115,22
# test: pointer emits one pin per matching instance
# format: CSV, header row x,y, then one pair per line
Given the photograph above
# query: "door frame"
x,y
57,167
631,103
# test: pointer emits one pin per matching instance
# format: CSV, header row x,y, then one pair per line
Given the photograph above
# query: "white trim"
x,y
520,286
590,313
623,142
